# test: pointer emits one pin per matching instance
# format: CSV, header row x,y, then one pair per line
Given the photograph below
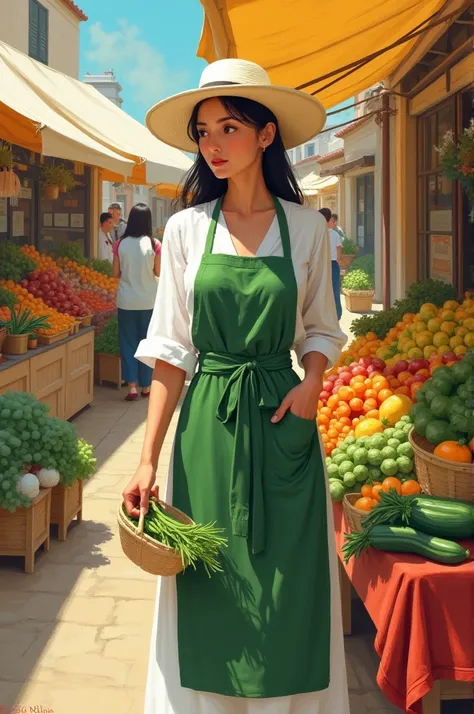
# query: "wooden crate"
x,y
52,339
48,379
79,373
66,504
16,378
86,321
109,369
22,532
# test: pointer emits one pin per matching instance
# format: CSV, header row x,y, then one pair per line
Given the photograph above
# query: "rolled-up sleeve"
x,y
323,333
168,336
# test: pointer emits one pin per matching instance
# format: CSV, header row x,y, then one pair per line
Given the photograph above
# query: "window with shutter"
x,y
38,32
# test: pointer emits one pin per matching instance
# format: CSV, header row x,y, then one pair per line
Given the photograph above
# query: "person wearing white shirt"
x,y
336,254
105,237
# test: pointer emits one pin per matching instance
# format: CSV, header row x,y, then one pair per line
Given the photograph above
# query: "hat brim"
x,y
300,116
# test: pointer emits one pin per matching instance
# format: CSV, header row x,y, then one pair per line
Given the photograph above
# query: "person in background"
x,y
105,238
334,224
137,260
336,254
115,209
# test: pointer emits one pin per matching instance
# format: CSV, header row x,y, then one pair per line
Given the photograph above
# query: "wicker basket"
x,y
15,345
438,477
358,300
353,515
146,552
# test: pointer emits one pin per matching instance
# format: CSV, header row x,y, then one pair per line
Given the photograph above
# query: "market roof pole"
x,y
386,198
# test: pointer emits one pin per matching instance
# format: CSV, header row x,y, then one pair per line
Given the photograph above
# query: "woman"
x,y
335,241
245,278
137,265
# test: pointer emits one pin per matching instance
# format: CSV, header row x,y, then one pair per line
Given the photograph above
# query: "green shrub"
x,y
365,263
7,299
108,341
357,280
349,247
72,251
14,265
101,266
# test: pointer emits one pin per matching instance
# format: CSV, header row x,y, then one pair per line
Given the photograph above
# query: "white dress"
x,y
169,339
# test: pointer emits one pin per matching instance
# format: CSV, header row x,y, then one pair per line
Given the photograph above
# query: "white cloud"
x,y
138,66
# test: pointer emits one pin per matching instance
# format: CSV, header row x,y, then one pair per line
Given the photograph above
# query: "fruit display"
x,y
444,411
417,524
384,458
30,439
42,261
87,276
58,322
354,396
55,292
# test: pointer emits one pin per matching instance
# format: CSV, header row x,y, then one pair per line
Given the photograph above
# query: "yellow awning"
x,y
76,119
299,41
312,184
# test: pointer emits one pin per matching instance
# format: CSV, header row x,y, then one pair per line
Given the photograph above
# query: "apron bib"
x,y
262,627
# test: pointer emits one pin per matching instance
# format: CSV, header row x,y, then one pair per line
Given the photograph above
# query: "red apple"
x,y
332,378
365,361
417,364
346,377
401,366
449,357
414,380
389,372
378,363
360,369
324,396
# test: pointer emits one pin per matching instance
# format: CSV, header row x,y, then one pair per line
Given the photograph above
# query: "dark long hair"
x,y
201,185
139,223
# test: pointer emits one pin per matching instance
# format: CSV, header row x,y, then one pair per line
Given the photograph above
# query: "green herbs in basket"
x,y
194,542
108,341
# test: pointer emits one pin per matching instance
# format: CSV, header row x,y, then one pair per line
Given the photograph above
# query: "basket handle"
x,y
141,523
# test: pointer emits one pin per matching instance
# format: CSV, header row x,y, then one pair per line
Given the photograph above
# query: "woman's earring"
x,y
264,149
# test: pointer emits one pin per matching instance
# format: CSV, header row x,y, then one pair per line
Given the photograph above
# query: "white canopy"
x,y
312,184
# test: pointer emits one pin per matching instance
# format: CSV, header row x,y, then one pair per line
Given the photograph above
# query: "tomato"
x,y
454,451
410,488
356,404
384,394
366,490
392,482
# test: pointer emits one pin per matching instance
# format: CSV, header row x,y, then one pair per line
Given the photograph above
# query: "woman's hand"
x,y
137,493
302,400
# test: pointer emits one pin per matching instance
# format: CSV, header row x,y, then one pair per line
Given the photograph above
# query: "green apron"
x,y
262,628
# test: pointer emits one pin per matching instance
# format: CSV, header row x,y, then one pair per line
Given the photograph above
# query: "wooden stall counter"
x,y
60,375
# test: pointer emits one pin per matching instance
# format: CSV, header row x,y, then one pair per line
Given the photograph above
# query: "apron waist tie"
x,y
249,389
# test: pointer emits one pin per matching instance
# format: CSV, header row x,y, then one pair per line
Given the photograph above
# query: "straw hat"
x,y
300,116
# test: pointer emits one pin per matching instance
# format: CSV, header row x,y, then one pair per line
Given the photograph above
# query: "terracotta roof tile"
x,y
75,9
332,155
351,127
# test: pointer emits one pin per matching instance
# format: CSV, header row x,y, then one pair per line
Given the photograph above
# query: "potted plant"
x,y
52,178
457,161
358,290
19,327
349,252
9,182
107,352
32,341
68,182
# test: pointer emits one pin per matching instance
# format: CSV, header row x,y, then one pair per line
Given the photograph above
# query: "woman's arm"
x,y
166,388
157,265
116,267
339,253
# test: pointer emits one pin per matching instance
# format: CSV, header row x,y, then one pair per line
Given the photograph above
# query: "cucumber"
x,y
400,539
447,519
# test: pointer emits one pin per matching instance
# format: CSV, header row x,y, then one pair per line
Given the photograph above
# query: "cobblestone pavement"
x,y
74,635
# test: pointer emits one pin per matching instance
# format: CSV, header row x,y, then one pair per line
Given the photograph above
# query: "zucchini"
x,y
403,539
446,518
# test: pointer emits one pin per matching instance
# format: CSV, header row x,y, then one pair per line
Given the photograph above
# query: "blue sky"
x,y
151,46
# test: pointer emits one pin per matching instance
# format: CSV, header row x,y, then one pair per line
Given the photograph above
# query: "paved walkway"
x,y
74,635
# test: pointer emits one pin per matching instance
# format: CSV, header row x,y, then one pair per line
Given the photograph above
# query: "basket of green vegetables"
x,y
166,541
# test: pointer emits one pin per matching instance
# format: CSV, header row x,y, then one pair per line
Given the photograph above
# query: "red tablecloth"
x,y
424,615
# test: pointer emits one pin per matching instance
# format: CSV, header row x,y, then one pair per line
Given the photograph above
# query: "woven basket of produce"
x,y
354,516
166,540
439,477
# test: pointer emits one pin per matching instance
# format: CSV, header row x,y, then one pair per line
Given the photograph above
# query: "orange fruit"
x,y
346,394
376,488
410,488
392,482
384,394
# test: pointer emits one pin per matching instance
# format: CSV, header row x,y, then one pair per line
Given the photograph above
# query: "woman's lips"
x,y
218,162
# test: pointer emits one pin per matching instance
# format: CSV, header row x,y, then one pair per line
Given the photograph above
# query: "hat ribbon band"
x,y
216,84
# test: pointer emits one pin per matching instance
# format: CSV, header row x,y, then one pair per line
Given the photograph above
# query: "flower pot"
x,y
62,188
51,192
109,369
32,343
66,504
9,183
3,334
358,300
15,344
22,532
346,261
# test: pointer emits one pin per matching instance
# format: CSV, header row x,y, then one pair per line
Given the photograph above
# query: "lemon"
x,y
423,339
429,350
451,305
469,339
461,350
469,323
446,314
409,345
461,331
415,353
456,341
428,311
448,327
419,326
440,338
443,349
434,325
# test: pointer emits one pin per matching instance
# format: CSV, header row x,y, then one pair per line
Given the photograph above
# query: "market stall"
x,y
423,612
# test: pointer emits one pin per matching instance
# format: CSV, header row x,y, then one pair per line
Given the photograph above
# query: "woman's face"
x,y
228,146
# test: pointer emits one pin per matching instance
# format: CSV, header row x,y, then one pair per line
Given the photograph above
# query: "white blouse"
x,y
169,335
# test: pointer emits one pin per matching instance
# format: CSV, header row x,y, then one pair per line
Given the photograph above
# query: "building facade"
x,y
46,30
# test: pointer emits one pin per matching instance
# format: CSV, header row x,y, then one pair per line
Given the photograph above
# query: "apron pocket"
x,y
293,440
